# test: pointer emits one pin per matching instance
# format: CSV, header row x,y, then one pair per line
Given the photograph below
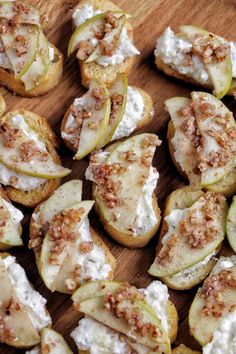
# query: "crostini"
x,y
199,57
29,65
182,349
52,342
124,181
93,120
30,168
68,250
231,224
212,316
118,315
103,39
22,309
10,223
192,231
202,141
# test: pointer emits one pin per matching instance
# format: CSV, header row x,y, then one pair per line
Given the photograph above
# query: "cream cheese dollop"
x,y
125,49
29,297
172,49
16,214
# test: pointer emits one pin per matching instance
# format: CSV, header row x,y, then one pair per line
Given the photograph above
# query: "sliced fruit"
x,y
39,67
109,37
49,270
94,307
220,72
52,342
139,348
231,225
27,14
94,127
212,175
93,289
21,48
185,256
203,326
24,334
185,152
9,232
119,87
130,181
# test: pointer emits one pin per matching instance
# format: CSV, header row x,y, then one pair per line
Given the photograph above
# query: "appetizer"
x,y
29,64
30,168
103,40
212,316
10,223
192,231
51,343
231,224
202,141
182,349
199,57
93,120
120,318
123,189
22,309
68,250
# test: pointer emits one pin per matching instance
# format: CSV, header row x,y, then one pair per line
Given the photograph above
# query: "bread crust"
x,y
179,199
227,186
43,129
168,70
93,70
52,78
145,119
182,349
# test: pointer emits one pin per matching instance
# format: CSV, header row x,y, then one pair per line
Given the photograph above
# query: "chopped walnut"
x,y
7,333
9,135
21,45
28,151
100,98
4,216
129,156
151,140
86,247
168,254
111,19
116,102
85,48
109,48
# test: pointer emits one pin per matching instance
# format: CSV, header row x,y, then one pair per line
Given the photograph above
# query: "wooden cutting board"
x,y
151,17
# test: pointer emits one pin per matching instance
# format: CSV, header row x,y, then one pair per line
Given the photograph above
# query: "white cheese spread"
x,y
157,296
93,264
35,350
125,49
172,49
145,214
16,214
224,338
224,263
98,339
29,297
51,53
133,113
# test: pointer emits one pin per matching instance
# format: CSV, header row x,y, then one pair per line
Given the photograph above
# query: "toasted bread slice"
x,y
180,199
51,79
144,120
227,186
43,129
168,70
93,70
172,321
126,239
182,349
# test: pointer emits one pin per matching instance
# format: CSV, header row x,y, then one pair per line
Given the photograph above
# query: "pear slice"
x,y
29,14
24,334
94,307
131,181
38,70
186,155
119,87
109,38
231,225
220,72
183,255
49,271
36,167
9,233
94,127
93,289
21,63
52,342
201,326
212,175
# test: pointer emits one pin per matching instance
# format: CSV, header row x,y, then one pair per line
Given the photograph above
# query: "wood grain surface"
x,y
151,17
